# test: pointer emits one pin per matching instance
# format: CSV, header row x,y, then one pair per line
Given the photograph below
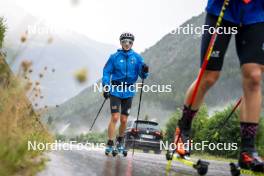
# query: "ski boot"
x,y
182,133
120,146
182,137
180,149
182,154
110,148
249,163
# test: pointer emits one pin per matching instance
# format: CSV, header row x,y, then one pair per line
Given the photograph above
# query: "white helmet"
x,y
127,35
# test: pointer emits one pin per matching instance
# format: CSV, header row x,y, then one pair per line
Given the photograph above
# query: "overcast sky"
x,y
104,20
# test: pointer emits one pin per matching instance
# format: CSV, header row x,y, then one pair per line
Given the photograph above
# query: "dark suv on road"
x,y
147,135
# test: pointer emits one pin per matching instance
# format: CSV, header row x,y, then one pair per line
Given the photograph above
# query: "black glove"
x,y
106,93
145,68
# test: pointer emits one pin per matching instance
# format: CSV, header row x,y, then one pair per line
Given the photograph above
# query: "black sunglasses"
x,y
127,41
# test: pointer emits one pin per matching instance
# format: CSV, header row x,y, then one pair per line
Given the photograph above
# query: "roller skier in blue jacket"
x,y
119,76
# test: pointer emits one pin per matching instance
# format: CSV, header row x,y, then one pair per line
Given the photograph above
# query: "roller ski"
x,y
120,146
248,164
110,149
180,154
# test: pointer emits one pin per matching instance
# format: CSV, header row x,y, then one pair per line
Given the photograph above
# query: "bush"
x,y
198,124
19,123
217,132
94,137
260,137
171,125
60,137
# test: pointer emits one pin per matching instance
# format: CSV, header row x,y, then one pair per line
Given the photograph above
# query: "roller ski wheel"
x,y
169,155
201,167
109,147
114,152
235,170
120,146
108,150
249,163
122,150
125,153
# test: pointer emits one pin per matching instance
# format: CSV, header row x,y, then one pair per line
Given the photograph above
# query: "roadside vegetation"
x,y
19,123
91,137
214,130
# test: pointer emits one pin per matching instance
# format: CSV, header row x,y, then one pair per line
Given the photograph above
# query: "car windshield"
x,y
146,125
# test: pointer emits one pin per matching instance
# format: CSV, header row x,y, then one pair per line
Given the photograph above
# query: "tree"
x,y
2,31
199,123
171,125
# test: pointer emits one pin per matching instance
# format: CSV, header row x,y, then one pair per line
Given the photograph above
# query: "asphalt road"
x,y
96,163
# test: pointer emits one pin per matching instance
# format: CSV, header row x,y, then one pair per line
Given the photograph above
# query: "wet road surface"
x,y
96,163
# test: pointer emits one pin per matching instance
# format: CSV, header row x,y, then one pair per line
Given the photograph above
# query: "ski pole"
x,y
231,113
206,58
208,52
98,114
138,113
228,117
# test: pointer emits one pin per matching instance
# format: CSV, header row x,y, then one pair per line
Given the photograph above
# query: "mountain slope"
x,y
60,49
67,54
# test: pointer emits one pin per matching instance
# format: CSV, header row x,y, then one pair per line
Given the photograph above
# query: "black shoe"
x,y
184,131
185,128
120,144
110,143
109,147
251,161
119,141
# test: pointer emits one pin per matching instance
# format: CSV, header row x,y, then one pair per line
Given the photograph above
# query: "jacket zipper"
x,y
126,67
126,72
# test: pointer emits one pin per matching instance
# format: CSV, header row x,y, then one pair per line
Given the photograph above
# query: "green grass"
x,y
212,157
19,124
